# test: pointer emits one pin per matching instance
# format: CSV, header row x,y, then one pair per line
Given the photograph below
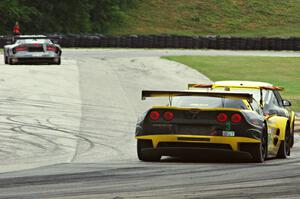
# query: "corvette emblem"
x,y
194,114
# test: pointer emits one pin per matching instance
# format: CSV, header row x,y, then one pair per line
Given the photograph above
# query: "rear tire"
x,y
284,148
260,152
58,62
10,61
5,60
146,156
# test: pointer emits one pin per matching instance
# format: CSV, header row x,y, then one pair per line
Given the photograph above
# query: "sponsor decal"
x,y
228,133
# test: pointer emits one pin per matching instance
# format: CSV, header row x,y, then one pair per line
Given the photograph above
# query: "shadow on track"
x,y
205,158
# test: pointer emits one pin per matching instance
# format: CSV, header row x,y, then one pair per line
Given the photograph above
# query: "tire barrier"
x,y
172,41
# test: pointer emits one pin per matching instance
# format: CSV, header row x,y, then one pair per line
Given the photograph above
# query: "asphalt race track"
x,y
68,132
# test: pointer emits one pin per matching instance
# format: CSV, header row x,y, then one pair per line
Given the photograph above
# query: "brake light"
x,y
236,118
20,48
51,48
168,116
154,115
222,117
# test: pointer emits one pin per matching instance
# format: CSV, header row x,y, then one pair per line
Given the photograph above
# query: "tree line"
x,y
63,16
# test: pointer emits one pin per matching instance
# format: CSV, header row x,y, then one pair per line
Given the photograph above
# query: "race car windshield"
x,y
207,102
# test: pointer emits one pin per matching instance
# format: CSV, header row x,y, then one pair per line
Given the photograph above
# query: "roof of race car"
x,y
242,83
30,36
238,84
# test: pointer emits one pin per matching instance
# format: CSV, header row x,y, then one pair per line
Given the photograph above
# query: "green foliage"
x,y
105,13
214,17
121,17
67,16
12,11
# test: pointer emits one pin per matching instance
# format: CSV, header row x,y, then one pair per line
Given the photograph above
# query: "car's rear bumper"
x,y
178,145
35,59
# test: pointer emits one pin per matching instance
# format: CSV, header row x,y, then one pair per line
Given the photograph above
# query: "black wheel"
x,y
5,60
10,62
58,62
147,156
259,152
284,148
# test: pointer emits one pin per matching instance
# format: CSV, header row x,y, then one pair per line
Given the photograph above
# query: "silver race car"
x,y
32,49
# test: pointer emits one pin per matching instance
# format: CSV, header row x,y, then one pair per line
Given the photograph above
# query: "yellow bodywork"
x,y
276,124
276,131
232,141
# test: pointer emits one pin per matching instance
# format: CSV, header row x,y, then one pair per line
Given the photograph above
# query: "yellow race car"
x,y
208,122
280,119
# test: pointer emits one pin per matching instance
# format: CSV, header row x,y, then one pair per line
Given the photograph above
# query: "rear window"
x,y
29,41
254,92
207,102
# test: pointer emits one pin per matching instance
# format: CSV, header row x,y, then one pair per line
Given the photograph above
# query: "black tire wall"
x,y
172,41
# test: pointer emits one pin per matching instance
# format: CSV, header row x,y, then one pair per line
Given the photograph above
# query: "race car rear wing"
x,y
231,86
170,94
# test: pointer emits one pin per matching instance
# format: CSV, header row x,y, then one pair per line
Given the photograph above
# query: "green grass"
x,y
280,71
216,17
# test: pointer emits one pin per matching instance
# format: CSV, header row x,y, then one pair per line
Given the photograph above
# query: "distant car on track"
x,y
32,49
210,122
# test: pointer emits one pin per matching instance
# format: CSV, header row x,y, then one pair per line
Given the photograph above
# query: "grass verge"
x,y
253,18
280,71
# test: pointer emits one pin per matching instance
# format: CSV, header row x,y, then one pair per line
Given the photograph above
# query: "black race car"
x,y
212,123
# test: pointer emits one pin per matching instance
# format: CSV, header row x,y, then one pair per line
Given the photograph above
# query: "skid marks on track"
x,y
108,131
30,131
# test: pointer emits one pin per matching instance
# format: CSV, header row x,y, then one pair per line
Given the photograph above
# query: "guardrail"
x,y
174,41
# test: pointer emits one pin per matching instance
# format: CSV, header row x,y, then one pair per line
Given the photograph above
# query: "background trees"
x,y
67,16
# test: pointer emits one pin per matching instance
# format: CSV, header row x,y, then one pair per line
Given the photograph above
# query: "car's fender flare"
x,y
292,118
282,123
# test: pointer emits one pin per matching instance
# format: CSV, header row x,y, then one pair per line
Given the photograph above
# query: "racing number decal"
x,y
227,126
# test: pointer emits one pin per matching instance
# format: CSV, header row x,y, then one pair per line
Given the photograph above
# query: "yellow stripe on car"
x,y
233,141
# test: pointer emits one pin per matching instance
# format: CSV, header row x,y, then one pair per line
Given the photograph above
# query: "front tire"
x,y
146,156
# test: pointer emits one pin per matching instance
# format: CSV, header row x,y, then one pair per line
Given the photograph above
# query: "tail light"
x,y
236,118
154,115
51,48
222,117
19,49
168,115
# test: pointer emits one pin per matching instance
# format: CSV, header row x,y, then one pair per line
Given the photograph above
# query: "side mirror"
x,y
286,103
